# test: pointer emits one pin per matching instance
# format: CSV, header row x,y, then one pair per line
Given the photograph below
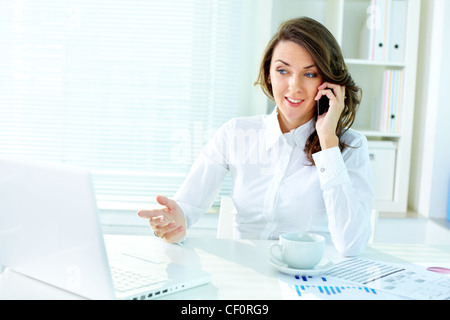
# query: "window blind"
x,y
129,89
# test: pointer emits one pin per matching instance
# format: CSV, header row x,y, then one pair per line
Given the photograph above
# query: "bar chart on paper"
x,y
358,278
405,280
320,287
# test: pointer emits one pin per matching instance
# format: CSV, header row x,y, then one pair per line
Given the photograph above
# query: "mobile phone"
x,y
323,104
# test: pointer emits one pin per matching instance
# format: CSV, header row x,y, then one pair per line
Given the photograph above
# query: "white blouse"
x,y
275,189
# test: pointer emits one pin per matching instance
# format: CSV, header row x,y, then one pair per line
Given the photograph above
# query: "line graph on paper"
x,y
320,287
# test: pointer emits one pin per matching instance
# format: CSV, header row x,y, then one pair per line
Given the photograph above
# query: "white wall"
x,y
257,15
430,165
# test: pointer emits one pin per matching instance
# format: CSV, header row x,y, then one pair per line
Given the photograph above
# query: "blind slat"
x,y
120,87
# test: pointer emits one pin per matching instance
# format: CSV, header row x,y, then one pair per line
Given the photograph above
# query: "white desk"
x,y
239,268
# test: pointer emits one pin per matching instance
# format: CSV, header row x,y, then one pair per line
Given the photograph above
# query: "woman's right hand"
x,y
167,223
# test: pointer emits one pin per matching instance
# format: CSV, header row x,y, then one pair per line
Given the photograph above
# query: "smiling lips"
x,y
294,102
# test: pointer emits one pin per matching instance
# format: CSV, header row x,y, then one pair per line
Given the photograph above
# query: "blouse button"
x,y
322,169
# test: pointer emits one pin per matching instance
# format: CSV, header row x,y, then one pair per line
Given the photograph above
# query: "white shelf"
x,y
378,134
387,64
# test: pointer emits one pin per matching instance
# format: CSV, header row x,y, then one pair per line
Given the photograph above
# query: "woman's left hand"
x,y
327,123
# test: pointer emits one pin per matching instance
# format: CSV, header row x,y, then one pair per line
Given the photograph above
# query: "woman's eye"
x,y
310,75
281,71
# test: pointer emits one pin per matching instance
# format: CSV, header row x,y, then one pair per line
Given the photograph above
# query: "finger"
x,y
324,86
329,85
161,230
163,200
157,221
325,92
151,213
174,235
338,90
335,99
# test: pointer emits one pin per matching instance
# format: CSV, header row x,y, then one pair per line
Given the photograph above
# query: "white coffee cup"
x,y
299,250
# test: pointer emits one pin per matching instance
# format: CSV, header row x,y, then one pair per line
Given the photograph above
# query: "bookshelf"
x,y
346,19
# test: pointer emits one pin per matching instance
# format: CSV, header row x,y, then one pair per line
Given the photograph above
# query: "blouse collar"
x,y
298,135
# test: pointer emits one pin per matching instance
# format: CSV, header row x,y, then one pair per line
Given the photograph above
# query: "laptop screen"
x,y
49,226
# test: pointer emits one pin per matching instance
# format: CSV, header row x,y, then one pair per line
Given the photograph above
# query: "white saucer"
x,y
322,267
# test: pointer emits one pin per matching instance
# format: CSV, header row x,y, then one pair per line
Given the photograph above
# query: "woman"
x,y
292,170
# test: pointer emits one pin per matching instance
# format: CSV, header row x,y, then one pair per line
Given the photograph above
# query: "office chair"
x,y
225,225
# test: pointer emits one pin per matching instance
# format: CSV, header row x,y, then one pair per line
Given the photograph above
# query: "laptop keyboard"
x,y
126,279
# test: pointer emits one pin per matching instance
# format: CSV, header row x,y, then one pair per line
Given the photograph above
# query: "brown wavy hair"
x,y
327,55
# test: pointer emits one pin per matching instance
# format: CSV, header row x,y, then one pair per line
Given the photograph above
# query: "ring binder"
x,y
383,34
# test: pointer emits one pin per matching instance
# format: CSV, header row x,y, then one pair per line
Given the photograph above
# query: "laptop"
x,y
50,230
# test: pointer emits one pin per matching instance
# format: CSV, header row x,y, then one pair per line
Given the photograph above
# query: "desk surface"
x,y
239,268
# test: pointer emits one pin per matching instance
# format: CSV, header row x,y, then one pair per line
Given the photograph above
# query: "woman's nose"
x,y
295,84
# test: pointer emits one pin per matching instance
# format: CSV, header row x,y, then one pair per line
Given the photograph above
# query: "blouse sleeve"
x,y
346,182
203,182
